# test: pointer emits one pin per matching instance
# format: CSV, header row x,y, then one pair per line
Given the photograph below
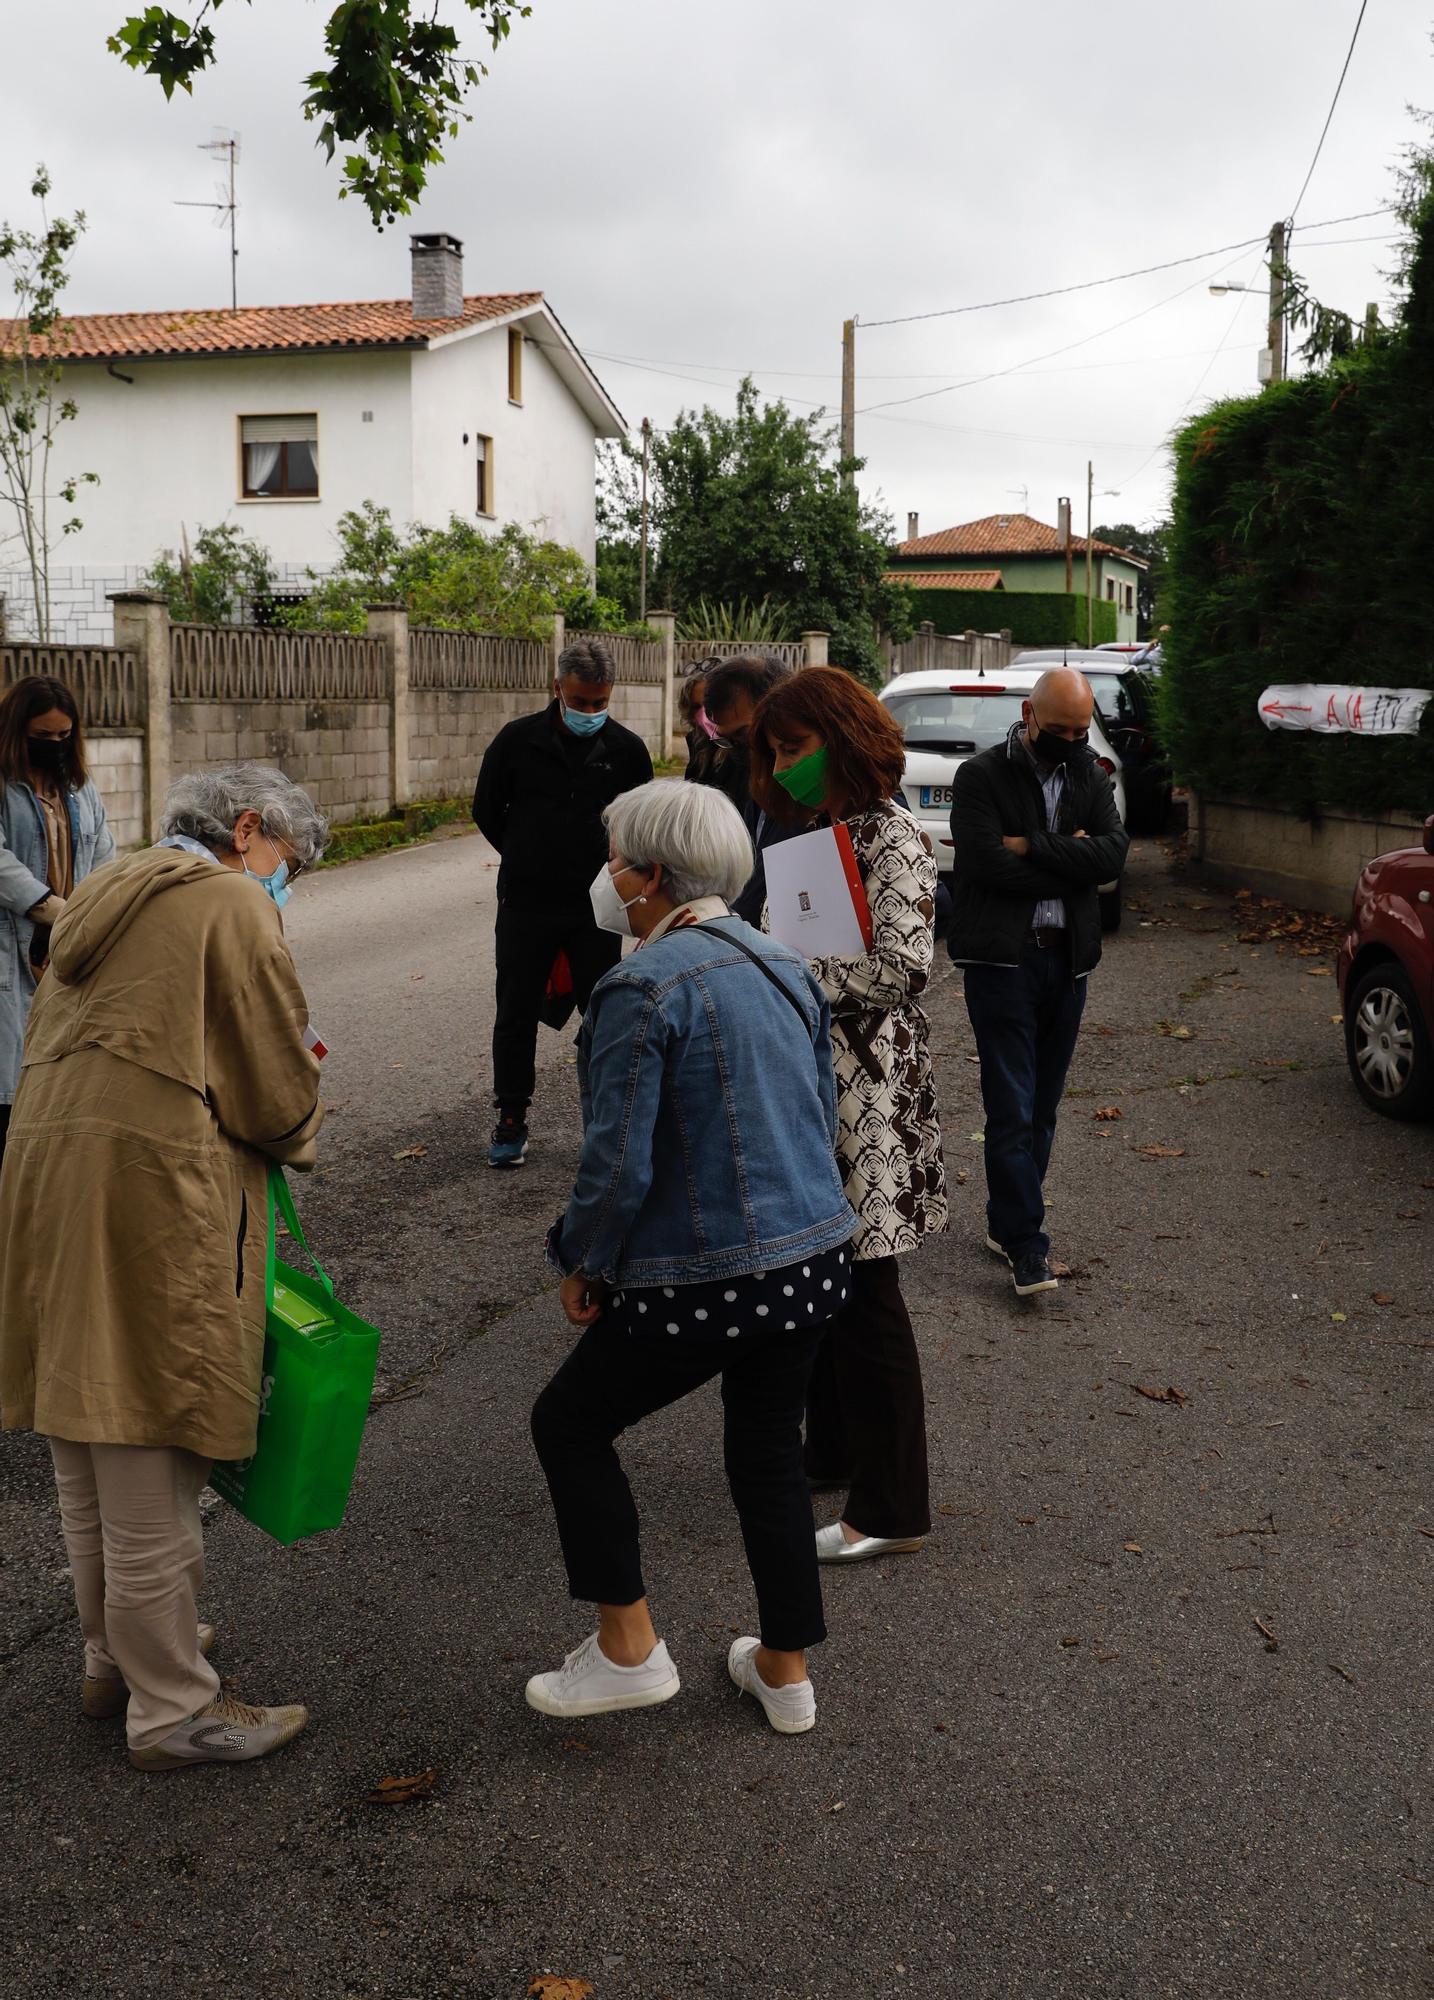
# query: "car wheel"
x,y
1110,910
1387,1041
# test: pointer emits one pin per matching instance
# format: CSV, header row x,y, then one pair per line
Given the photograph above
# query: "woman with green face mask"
x,y
825,751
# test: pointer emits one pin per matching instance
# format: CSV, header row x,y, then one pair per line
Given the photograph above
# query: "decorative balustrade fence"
x,y
470,662
253,663
103,679
690,652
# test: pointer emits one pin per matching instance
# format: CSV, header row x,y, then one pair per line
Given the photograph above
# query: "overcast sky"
x,y
706,190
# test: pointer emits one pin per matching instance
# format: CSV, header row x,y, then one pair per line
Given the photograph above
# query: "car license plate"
x,y
936,795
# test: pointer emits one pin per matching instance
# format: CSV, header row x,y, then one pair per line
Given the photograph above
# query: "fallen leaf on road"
x,y
1168,1395
1339,1318
840,1806
1025,1520
1105,1657
1272,1644
411,1153
978,1138
1108,1113
1408,1214
1341,1672
1175,1034
574,1743
1132,1548
1260,1173
1319,972
1382,1298
1072,1641
961,1177
398,1791
550,1986
1337,1019
1426,1531
1161,1152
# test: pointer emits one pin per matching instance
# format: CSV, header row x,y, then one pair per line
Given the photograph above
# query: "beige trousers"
x,y
130,1515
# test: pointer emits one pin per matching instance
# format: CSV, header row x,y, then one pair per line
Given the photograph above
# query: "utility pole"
x,y
1275,334
848,399
1063,530
642,579
1089,580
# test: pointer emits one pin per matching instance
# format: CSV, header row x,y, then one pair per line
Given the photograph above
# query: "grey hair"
x,y
205,804
692,830
587,661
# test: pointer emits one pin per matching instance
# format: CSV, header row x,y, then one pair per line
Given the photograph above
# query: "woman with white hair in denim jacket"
x,y
705,1236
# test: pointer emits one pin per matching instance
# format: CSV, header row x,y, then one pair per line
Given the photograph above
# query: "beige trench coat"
x,y
164,1067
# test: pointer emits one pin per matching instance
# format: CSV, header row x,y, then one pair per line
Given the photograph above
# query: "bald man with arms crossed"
x,y
1036,831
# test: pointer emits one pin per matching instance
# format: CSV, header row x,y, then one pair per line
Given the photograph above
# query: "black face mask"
x,y
1056,749
48,756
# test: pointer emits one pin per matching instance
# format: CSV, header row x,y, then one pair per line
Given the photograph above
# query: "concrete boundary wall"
x,y
1315,867
340,715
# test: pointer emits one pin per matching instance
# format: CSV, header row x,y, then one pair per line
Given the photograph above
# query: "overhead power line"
x,y
1324,134
1119,278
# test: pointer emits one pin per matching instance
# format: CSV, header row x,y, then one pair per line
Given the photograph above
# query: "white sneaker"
x,y
225,1732
789,1709
589,1683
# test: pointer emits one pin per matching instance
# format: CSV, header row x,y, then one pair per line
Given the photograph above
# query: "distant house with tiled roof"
x,y
1027,555
280,418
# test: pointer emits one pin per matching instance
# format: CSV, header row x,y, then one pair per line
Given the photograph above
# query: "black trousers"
x,y
610,1381
528,937
866,1413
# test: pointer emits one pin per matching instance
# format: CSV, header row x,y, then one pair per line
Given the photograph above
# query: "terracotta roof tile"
x,y
947,579
269,329
1005,535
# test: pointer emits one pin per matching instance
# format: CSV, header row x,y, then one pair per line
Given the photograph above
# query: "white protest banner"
x,y
1344,711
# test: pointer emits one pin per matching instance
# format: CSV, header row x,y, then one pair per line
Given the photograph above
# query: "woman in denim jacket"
x,y
53,833
706,1235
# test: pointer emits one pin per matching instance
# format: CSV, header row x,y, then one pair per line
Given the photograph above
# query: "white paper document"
x,y
815,900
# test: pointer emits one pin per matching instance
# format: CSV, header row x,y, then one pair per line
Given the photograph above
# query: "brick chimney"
x,y
913,527
437,276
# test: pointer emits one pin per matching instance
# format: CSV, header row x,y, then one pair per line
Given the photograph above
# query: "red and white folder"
x,y
815,899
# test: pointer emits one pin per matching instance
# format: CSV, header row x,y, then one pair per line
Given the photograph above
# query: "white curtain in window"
x,y
259,463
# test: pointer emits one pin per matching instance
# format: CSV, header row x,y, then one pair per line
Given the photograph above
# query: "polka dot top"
x,y
801,1295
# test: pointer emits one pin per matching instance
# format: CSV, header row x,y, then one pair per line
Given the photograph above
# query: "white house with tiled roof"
x,y
280,418
1015,552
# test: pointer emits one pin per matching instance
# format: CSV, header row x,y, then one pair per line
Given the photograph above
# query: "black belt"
x,y
1050,937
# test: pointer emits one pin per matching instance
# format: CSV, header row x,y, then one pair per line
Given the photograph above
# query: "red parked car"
x,y
1386,980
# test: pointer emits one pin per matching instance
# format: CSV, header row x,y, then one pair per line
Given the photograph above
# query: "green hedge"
x,y
356,837
1033,617
1302,549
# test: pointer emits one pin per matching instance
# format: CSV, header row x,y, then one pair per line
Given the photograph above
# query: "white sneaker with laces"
x,y
589,1683
789,1709
225,1732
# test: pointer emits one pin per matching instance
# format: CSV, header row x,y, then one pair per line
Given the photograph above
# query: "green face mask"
x,y
806,780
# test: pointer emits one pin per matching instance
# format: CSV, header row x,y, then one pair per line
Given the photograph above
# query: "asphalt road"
x,y
1055,1755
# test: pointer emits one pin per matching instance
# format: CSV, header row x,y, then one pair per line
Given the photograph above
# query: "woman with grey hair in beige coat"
x,y
164,1069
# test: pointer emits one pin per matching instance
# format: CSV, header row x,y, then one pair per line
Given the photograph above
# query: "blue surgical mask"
x,y
580,724
272,885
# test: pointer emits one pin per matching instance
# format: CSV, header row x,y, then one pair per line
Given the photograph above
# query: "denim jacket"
x,y
709,1116
24,859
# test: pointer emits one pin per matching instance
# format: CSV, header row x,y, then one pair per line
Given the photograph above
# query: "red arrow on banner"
x,y
1282,708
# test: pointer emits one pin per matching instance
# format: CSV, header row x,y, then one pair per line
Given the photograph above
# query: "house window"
x,y
281,457
485,474
515,364
1110,587
1130,597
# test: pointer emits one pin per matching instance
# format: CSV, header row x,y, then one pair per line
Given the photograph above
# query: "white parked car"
x,y
946,720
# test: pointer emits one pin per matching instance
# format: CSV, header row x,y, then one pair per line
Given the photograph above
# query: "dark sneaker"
x,y
1031,1273
510,1143
997,1249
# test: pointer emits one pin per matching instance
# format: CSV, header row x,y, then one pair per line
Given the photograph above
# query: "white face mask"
x,y
609,910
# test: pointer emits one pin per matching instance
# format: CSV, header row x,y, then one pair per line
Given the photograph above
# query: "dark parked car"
x,y
1386,980
1126,702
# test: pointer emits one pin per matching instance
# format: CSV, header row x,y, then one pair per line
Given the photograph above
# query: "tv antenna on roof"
x,y
224,146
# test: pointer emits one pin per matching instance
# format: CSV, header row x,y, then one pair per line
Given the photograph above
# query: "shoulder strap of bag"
x,y
281,1202
762,966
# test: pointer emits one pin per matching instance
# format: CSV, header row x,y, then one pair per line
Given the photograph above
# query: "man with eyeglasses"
x,y
1036,831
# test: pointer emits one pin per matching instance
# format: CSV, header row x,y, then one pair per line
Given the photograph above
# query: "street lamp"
x,y
1272,355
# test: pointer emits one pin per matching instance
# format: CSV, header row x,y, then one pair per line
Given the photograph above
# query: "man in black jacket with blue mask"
x,y
1036,831
543,786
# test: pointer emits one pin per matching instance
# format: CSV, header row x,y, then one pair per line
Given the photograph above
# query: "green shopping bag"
x,y
317,1381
